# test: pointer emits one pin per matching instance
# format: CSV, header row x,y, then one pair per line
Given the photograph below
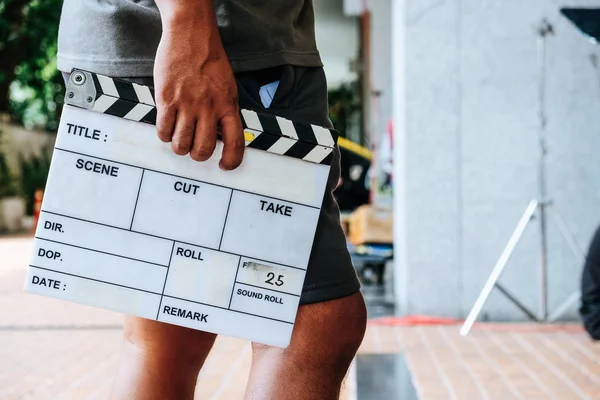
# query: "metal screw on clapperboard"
x,y
79,79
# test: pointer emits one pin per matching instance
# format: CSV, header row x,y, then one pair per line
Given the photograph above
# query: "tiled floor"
x,y
55,350
495,361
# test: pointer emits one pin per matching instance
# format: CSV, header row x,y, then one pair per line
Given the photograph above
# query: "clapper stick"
x,y
127,225
266,132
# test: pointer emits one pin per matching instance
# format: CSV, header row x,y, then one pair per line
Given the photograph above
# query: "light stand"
x,y
539,207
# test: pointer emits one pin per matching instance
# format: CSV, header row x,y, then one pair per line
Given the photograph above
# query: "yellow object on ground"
x,y
371,225
354,147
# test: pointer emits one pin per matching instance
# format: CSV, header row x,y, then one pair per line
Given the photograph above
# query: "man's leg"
x,y
331,320
325,339
159,361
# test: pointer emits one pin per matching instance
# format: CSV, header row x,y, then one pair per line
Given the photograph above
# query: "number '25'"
x,y
271,276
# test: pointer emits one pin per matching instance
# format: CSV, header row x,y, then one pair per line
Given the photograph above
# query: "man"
x,y
206,61
590,289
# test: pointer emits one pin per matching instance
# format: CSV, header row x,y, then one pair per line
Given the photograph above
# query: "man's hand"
x,y
195,87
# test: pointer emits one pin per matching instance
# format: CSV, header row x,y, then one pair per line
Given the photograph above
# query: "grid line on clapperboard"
x,y
225,222
229,309
137,198
234,281
172,240
162,295
158,294
183,177
272,290
100,251
95,280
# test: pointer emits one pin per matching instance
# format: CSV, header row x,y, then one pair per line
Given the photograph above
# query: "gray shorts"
x,y
302,95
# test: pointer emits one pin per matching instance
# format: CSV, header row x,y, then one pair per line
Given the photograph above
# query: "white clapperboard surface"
x,y
127,225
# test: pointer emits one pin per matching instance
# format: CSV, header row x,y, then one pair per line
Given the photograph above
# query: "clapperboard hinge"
x,y
267,132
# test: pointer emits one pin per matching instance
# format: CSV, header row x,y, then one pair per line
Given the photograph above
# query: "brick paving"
x,y
519,361
51,349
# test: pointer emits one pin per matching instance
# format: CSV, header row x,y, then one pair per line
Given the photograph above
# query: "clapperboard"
x,y
127,225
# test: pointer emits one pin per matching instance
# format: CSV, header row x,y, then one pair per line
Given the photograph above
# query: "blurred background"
x,y
470,133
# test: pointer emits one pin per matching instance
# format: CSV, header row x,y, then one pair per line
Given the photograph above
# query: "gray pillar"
x,y
465,107
401,276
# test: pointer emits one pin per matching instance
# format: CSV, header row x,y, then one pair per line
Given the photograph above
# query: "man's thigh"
x,y
326,338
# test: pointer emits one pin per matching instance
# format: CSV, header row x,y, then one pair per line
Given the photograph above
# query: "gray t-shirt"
x,y
120,37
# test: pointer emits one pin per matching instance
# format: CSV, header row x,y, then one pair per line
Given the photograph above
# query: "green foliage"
x,y
8,182
28,74
42,93
344,103
34,173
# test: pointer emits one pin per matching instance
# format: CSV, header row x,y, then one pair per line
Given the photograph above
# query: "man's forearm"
x,y
196,91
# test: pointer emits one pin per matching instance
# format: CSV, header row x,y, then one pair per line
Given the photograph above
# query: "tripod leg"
x,y
500,264
516,302
564,307
579,254
568,236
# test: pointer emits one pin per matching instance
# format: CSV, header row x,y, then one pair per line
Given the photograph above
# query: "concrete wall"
x,y
381,73
468,150
337,40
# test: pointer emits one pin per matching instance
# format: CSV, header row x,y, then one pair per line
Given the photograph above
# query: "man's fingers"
x,y
183,136
205,138
233,142
165,122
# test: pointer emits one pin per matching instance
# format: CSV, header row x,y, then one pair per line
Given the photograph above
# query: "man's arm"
x,y
194,84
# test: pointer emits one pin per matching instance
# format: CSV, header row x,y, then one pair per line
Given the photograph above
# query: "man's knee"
x,y
337,329
326,336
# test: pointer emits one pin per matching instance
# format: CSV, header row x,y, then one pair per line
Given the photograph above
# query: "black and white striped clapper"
x,y
262,131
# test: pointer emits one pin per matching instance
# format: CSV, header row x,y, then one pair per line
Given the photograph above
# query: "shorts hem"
x,y
143,67
274,59
116,68
329,291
